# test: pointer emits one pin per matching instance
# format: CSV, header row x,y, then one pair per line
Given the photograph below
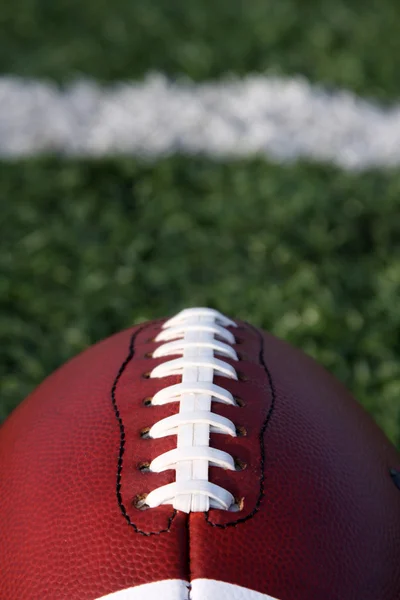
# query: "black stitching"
x,y
261,441
122,442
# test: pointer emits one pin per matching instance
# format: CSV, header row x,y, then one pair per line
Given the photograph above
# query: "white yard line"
x,y
281,119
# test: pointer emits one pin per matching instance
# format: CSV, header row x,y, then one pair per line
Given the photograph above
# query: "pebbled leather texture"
x,y
327,526
63,532
320,517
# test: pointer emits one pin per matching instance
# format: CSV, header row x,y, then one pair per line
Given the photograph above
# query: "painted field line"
x,y
281,119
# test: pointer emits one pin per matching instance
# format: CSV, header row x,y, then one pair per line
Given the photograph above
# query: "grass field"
x,y
308,251
347,43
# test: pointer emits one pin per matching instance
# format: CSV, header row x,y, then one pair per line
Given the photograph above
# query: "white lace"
x,y
192,332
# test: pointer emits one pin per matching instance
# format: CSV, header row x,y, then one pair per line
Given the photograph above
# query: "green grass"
x,y
344,43
308,252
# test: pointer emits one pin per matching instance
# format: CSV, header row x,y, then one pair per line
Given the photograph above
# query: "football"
x,y
196,458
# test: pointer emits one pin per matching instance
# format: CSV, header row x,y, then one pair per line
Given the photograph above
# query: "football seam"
x,y
260,437
120,465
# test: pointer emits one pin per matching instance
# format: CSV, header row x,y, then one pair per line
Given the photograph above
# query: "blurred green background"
x,y
309,252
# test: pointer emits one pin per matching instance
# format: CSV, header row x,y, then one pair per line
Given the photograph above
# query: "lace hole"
x,y
239,401
146,375
242,376
240,465
148,401
144,467
145,433
139,502
148,355
241,431
238,505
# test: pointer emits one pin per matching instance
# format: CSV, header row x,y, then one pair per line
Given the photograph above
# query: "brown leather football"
x,y
196,458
